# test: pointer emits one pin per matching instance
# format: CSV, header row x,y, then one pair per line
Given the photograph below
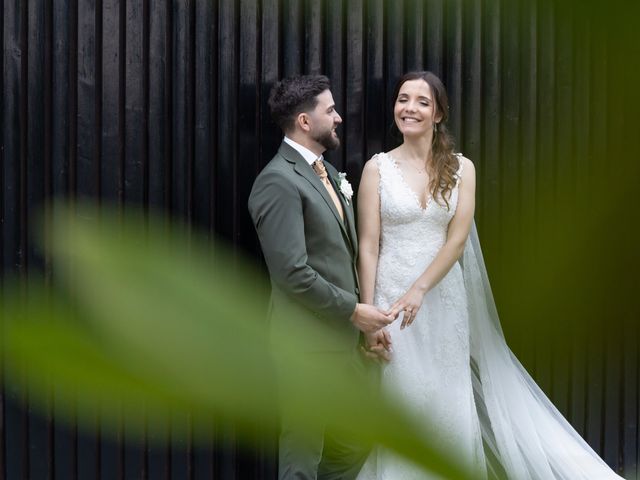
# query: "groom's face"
x,y
323,120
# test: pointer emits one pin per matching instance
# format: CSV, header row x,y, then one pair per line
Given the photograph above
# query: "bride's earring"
x,y
435,128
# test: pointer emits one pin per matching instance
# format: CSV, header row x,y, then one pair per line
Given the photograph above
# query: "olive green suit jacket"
x,y
310,252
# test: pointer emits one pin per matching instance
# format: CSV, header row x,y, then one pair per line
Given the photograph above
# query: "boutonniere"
x,y
344,186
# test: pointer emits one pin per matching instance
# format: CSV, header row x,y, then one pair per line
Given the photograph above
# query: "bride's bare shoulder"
x,y
464,162
371,168
373,164
466,169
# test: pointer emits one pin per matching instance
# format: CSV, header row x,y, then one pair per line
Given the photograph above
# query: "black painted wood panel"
x,y
163,104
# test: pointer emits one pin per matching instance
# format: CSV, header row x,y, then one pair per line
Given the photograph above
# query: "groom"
x,y
303,213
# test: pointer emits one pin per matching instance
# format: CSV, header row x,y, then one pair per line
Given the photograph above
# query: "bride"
x,y
420,258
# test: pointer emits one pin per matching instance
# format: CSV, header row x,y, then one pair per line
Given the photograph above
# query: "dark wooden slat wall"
x,y
163,104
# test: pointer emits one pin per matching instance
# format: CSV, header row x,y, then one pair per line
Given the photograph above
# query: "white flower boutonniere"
x,y
344,186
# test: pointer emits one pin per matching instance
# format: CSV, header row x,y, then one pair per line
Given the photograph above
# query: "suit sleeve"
x,y
276,210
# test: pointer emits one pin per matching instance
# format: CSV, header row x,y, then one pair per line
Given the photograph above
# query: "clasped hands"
x,y
372,322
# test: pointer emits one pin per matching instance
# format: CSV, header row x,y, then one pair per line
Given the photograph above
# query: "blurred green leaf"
x,y
164,325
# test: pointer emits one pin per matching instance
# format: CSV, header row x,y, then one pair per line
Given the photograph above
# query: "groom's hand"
x,y
377,346
369,319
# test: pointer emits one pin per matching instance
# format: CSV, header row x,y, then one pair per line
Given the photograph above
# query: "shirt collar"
x,y
307,154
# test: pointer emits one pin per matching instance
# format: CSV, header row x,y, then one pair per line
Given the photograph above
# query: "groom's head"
x,y
304,109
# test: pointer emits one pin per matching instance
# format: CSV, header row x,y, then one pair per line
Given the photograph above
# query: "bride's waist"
x,y
402,243
408,254
394,276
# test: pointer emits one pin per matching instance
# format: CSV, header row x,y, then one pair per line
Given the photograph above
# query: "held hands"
x,y
410,303
369,319
377,346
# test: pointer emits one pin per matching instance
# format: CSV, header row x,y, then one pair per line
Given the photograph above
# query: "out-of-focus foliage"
x,y
562,249
146,321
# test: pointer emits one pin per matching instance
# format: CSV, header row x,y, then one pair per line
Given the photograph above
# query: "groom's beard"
x,y
328,140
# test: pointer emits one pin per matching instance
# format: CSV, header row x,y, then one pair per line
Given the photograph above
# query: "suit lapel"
x,y
304,169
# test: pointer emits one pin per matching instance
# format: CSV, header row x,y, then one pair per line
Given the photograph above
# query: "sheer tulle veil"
x,y
525,436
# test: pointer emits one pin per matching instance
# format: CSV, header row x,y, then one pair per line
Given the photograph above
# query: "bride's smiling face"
x,y
415,110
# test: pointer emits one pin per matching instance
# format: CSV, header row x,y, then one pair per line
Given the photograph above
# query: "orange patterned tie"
x,y
320,169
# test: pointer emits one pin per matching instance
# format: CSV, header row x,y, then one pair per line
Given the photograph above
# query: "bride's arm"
x,y
368,230
368,249
457,234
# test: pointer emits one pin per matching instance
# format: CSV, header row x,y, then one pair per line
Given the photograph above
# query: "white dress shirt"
x,y
307,154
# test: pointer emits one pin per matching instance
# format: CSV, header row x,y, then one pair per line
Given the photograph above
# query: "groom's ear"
x,y
303,121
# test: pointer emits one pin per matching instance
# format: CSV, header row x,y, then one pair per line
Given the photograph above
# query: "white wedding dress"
x,y
451,366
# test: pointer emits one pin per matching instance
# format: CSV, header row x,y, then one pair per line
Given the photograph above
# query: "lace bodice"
x,y
411,235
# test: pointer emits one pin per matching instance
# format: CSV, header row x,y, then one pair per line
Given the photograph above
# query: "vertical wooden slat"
x,y
313,52
248,114
510,113
112,142
335,69
86,163
491,125
453,73
60,95
565,191
434,38
612,418
470,140
415,47
158,454
271,54
135,113
12,98
376,126
180,461
226,158
112,117
528,41
204,59
182,127
159,95
352,132
203,460
35,88
15,421
98,97
39,423
63,449
134,31
394,46
544,161
581,133
225,174
510,230
630,384
3,412
292,37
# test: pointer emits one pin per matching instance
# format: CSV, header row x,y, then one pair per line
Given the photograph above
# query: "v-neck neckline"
x,y
406,185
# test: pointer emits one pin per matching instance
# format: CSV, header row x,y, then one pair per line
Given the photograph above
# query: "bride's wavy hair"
x,y
443,163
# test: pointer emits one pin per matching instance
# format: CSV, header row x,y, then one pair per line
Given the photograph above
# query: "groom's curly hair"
x,y
294,95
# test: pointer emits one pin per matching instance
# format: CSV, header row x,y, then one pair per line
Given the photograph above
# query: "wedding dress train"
x,y
452,364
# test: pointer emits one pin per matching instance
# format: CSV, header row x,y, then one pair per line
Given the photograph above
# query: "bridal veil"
x,y
525,435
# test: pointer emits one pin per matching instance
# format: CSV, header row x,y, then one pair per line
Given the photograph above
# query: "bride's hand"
x,y
410,303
